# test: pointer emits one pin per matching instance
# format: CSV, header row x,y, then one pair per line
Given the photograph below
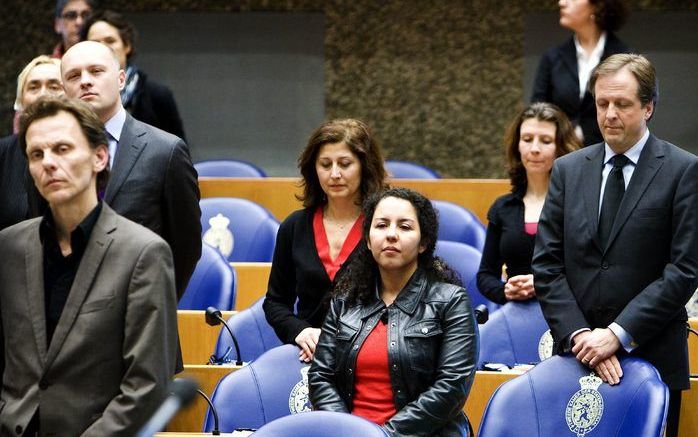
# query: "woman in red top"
x,y
399,344
340,167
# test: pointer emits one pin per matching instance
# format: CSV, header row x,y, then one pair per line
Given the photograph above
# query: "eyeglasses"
x,y
73,15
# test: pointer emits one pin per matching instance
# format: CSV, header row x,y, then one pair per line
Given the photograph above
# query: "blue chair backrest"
x,y
465,260
254,334
242,230
409,170
228,168
273,386
558,395
516,333
458,224
213,283
321,424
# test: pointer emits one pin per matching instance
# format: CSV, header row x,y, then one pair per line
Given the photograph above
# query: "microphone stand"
x,y
216,427
215,318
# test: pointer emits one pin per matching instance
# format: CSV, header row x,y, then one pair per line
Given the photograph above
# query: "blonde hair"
x,y
22,78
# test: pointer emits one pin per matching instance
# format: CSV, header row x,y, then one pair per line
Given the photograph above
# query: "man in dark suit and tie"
x,y
153,181
88,311
617,247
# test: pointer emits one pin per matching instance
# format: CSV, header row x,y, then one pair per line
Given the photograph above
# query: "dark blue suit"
x,y
646,272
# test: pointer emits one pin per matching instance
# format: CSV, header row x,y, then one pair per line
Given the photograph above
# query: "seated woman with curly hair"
x,y
399,344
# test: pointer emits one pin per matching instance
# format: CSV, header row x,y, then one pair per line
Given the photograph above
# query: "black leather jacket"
x,y
432,351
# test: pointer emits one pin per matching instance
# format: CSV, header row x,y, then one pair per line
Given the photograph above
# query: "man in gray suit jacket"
x,y
617,247
153,181
87,297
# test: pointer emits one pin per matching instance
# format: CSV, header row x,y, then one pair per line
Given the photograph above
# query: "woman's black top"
x,y
298,273
506,243
557,82
154,104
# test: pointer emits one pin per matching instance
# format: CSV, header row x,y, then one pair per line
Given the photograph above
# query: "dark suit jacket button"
x,y
18,429
43,384
604,265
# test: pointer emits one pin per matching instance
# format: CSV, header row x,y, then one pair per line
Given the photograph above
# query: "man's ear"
x,y
57,27
649,110
101,160
122,79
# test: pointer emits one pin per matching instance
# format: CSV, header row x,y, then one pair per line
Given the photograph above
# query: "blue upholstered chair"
x,y
254,335
213,283
229,168
273,386
321,424
517,333
465,260
409,170
559,397
458,224
242,230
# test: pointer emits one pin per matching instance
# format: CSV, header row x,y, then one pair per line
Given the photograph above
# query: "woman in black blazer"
x,y
341,165
146,100
558,77
538,135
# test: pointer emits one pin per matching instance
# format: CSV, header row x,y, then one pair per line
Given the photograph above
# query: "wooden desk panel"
x,y
196,338
253,279
278,194
191,419
482,390
688,420
693,348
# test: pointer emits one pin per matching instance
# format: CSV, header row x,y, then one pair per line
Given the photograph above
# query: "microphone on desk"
x,y
181,392
216,427
215,318
482,314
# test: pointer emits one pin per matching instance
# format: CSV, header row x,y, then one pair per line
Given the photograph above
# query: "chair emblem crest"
x,y
218,235
299,399
585,408
545,346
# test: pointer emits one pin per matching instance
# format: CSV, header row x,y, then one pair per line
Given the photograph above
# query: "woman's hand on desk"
x,y
307,341
519,287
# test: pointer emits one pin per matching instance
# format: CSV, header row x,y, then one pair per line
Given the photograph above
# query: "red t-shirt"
x,y
531,228
322,245
373,393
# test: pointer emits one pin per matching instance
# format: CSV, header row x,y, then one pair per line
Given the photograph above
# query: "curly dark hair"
x,y
127,31
358,281
566,140
358,137
610,14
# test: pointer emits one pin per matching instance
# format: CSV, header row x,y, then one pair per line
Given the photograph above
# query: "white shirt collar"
x,y
595,54
633,153
115,125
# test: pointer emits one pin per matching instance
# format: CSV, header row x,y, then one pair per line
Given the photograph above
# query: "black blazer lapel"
x,y
34,263
647,166
97,247
593,166
131,145
569,59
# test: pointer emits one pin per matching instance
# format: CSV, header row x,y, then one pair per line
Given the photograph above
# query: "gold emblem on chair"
x,y
585,408
218,235
299,399
545,346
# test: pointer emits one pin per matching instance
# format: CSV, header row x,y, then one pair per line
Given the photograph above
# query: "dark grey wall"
x,y
248,86
670,42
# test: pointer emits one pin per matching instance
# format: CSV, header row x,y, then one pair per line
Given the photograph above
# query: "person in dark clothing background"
x,y
563,72
538,135
145,99
41,76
